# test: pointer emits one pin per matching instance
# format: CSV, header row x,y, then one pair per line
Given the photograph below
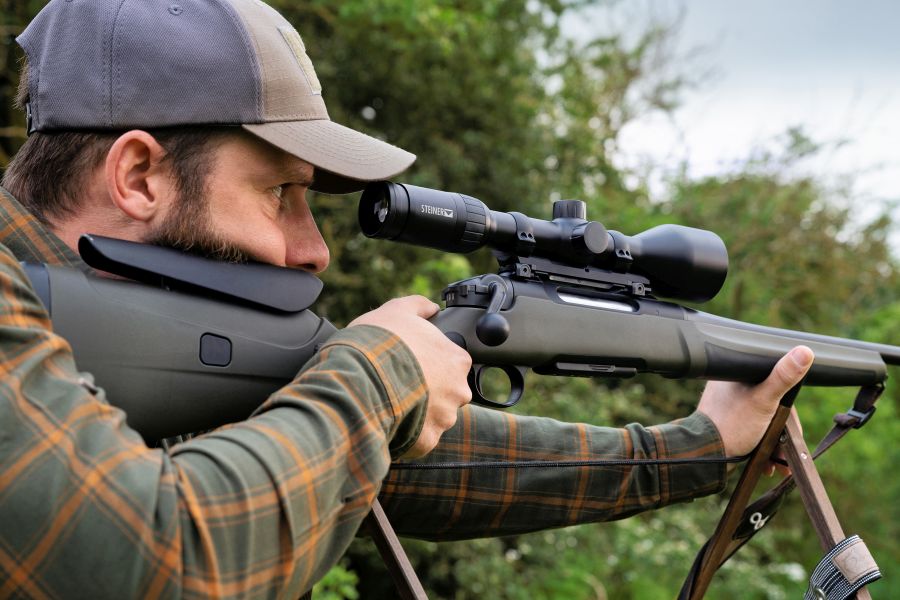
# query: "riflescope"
x,y
681,262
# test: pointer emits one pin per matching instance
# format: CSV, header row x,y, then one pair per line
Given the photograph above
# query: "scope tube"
x,y
454,222
681,262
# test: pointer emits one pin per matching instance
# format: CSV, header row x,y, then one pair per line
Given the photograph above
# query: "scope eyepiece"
x,y
407,213
383,209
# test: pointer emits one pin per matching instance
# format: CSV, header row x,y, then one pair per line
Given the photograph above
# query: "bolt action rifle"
x,y
190,344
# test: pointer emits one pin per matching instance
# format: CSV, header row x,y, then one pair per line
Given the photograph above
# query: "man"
x,y
201,125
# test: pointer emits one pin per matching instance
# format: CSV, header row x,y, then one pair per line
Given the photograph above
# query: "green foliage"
x,y
796,234
498,105
338,584
435,274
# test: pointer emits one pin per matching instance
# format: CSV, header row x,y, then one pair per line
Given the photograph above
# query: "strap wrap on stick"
x,y
843,571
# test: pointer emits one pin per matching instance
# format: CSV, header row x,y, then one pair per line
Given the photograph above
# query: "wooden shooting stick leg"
x,y
855,561
716,549
405,580
848,565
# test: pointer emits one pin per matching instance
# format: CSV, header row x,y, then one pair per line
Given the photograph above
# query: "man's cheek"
x,y
267,246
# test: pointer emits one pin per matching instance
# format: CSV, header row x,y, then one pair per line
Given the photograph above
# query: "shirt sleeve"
x,y
457,503
262,508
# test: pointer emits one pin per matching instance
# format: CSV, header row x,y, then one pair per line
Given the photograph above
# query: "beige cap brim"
x,y
345,159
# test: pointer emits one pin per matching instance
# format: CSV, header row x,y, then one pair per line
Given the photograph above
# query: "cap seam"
x,y
292,117
252,50
34,82
35,106
115,67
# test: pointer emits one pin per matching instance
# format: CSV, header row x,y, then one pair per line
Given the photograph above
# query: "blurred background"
x,y
772,124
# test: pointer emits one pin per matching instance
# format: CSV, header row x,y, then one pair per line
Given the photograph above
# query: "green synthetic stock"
x,y
144,345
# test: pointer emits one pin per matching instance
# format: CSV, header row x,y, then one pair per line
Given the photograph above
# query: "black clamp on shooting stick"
x,y
848,565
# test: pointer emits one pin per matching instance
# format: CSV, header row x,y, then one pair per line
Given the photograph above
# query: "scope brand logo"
x,y
437,210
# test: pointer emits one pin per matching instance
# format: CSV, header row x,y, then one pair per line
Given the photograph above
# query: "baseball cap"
x,y
113,64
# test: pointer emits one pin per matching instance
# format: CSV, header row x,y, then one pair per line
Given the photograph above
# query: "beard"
x,y
189,228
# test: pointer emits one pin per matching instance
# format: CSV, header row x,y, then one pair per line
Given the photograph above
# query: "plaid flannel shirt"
x,y
273,502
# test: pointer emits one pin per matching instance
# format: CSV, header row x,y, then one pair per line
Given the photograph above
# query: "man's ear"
x,y
138,182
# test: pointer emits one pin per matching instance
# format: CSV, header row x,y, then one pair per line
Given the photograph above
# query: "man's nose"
x,y
305,246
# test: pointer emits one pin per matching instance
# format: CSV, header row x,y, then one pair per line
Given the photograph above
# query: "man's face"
x,y
255,209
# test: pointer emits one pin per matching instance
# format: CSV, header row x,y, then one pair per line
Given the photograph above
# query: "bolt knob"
x,y
492,329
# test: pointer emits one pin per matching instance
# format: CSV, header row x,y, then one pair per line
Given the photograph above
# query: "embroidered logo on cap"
x,y
298,48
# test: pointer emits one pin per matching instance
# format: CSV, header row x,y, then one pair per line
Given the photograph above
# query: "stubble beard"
x,y
189,228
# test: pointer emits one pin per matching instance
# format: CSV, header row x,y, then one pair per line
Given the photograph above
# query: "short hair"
x,y
48,173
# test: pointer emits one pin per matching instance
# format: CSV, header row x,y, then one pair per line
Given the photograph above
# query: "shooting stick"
x,y
405,580
848,565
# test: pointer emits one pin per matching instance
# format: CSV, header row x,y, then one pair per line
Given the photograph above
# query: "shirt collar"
x,y
29,240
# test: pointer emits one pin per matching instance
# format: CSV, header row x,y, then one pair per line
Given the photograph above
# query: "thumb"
x,y
420,305
789,370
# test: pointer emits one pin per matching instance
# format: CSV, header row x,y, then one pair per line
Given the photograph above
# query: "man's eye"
x,y
278,192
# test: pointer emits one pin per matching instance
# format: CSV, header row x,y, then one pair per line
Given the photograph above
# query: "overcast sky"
x,y
830,66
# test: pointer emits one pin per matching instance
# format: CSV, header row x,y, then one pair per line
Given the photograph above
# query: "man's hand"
x,y
444,364
741,412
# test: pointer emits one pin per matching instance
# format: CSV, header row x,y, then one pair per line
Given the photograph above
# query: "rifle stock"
x,y
149,347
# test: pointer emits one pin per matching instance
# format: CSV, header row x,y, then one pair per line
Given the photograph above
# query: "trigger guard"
x,y
516,377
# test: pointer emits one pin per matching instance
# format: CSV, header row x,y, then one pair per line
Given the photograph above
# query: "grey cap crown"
x,y
92,64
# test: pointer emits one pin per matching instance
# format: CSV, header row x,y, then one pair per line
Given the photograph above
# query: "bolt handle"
x,y
492,328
